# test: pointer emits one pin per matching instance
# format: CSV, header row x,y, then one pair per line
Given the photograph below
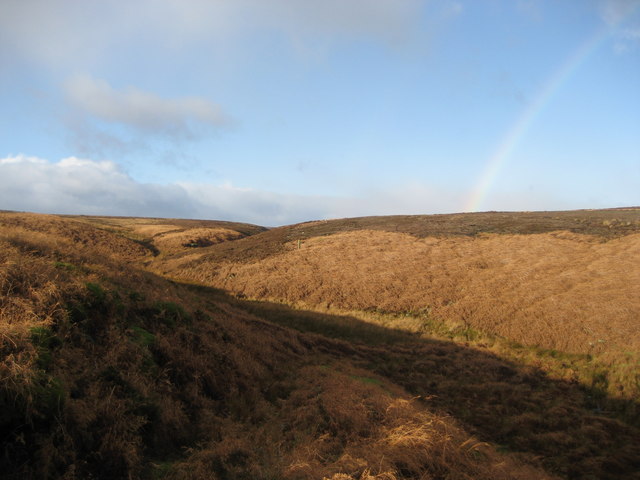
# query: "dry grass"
x,y
110,371
101,366
176,241
172,238
169,236
564,292
150,230
346,424
151,226
557,290
52,232
373,430
604,224
533,403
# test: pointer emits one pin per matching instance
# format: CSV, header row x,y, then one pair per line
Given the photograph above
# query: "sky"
x,y
281,111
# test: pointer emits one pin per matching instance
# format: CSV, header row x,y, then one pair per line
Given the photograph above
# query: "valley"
x,y
489,345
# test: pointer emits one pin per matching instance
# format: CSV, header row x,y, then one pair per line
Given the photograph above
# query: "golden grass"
x,y
93,377
145,226
343,424
557,290
383,433
110,371
176,241
51,232
151,230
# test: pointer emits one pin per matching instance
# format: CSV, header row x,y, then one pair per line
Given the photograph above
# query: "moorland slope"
x,y
374,348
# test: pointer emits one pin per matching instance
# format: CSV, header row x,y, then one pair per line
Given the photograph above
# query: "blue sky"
x,y
281,111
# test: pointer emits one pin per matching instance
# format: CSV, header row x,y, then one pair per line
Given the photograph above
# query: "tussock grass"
x,y
332,425
47,234
603,224
104,364
176,241
559,291
110,371
525,399
560,303
146,228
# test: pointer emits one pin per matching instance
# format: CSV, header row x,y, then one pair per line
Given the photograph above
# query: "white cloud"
x,y
70,34
81,186
141,110
615,11
623,18
627,41
103,120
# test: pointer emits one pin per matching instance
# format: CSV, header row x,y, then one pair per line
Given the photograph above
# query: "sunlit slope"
x,y
152,226
164,236
605,224
109,371
571,291
57,232
125,237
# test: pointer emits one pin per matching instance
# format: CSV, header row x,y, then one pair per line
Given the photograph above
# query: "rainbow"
x,y
527,117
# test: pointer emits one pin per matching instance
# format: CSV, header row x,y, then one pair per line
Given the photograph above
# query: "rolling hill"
x,y
493,345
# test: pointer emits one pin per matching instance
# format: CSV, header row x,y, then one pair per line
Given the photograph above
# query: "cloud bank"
x,y
80,186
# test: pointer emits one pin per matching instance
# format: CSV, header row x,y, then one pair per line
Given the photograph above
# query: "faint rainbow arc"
x,y
526,118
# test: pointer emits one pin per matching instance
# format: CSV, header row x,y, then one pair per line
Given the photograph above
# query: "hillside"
x,y
350,349
604,224
562,280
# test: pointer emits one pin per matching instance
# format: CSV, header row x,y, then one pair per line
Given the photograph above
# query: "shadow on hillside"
x,y
576,431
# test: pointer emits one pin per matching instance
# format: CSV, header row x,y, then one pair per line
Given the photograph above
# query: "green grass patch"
x,y
170,313
367,380
142,337
65,266
161,470
45,341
